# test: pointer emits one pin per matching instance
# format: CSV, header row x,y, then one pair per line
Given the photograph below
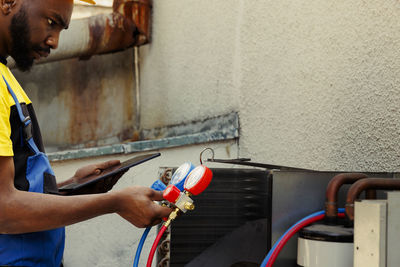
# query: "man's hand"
x,y
136,205
101,186
25,212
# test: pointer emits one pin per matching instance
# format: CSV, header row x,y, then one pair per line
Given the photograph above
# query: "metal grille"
x,y
234,197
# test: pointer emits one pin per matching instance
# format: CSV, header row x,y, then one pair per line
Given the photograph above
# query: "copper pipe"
x,y
368,183
332,192
370,194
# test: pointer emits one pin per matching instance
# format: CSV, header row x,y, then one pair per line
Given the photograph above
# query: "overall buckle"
x,y
27,128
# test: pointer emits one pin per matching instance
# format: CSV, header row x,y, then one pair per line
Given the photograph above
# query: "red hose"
x,y
291,233
155,244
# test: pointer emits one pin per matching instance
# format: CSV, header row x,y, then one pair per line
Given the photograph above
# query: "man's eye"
x,y
50,22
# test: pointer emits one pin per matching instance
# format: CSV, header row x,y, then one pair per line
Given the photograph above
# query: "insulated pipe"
x,y
365,184
128,25
332,192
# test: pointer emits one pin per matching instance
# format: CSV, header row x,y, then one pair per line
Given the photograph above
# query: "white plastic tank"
x,y
322,245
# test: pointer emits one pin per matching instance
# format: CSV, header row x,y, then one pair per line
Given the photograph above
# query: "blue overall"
x,y
43,248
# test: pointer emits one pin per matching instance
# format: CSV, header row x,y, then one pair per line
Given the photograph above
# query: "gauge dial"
x,y
179,176
198,180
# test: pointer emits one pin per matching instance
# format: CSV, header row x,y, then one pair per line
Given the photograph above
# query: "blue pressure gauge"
x,y
179,176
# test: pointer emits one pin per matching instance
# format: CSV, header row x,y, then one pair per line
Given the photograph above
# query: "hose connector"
x,y
172,216
181,200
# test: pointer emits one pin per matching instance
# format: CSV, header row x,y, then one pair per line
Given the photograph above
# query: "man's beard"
x,y
21,47
20,36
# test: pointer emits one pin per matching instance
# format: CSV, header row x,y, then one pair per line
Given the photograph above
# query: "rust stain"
x,y
96,32
127,26
96,111
83,109
136,136
139,13
128,109
87,97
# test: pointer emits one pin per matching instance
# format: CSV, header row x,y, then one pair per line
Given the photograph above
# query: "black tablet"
x,y
124,166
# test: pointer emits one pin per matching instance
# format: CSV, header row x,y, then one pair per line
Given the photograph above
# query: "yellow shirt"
x,y
6,102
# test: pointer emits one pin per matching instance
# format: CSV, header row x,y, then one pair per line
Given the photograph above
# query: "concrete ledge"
x,y
219,128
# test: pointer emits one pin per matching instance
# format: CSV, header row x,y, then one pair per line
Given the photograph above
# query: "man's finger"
x,y
155,222
156,195
164,212
108,164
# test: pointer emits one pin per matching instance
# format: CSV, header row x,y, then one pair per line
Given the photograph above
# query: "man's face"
x,y
35,29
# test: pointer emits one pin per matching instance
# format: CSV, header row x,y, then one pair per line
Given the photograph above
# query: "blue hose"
x,y
178,178
267,258
159,186
140,246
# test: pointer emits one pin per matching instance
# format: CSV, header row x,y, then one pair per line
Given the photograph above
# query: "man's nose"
x,y
52,40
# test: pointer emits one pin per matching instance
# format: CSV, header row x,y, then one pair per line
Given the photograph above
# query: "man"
x,y
32,213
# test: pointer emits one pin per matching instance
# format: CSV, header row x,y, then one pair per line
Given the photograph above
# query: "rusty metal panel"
x,y
83,103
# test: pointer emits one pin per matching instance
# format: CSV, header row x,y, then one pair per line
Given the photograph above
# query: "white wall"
x,y
315,82
188,71
329,71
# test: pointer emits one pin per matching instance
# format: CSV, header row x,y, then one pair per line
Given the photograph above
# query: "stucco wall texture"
x,y
316,83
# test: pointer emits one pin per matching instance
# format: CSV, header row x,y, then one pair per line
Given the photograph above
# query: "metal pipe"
x,y
370,194
364,184
139,12
332,192
128,25
137,91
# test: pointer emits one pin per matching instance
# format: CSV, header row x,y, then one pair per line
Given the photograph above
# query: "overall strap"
x,y
26,121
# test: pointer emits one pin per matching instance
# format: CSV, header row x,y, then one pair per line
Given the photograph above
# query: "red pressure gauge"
x,y
171,193
198,180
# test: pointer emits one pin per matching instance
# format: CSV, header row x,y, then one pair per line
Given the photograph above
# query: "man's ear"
x,y
7,6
